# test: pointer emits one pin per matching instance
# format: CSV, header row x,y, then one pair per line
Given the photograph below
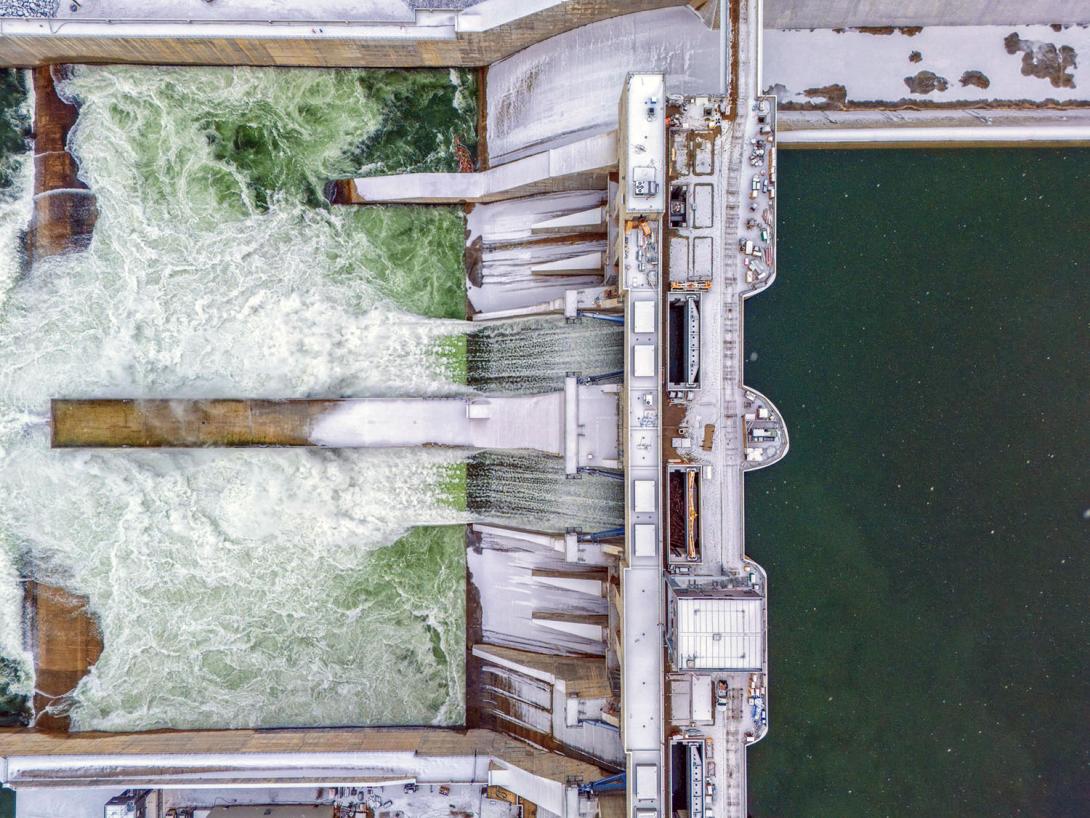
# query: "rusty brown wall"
x,y
470,49
184,423
66,643
64,209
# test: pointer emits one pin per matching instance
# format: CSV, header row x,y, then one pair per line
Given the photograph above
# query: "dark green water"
x,y
14,123
926,537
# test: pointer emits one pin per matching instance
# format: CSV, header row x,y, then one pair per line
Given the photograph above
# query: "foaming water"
x,y
249,587
253,314
535,355
16,203
16,664
236,588
190,288
259,587
530,490
16,192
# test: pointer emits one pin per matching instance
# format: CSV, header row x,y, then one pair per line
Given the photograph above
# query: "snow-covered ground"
x,y
873,67
570,85
49,803
502,570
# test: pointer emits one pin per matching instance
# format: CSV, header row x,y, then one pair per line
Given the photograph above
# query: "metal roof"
x,y
719,633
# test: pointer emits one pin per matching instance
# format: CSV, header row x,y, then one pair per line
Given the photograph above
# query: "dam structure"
x,y
619,209
611,672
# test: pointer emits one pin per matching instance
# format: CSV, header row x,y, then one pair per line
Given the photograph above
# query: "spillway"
x,y
534,355
529,490
223,582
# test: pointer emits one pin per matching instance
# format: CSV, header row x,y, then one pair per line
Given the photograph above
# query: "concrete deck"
x,y
518,422
579,423
991,135
639,215
574,166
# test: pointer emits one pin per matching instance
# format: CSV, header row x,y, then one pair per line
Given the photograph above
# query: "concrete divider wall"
x,y
64,209
855,13
55,41
151,43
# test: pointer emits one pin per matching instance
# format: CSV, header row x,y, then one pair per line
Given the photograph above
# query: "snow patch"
x,y
873,69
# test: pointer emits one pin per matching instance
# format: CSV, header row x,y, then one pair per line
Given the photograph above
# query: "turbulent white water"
x,y
188,288
535,355
244,587
241,587
250,587
530,490
15,208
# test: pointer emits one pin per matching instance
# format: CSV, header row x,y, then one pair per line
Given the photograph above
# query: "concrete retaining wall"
x,y
64,209
396,47
66,643
853,13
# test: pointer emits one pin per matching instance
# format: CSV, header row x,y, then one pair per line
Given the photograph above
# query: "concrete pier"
x,y
64,208
66,642
184,423
522,422
582,165
579,423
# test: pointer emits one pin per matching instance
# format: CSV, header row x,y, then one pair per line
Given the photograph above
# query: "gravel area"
x,y
28,8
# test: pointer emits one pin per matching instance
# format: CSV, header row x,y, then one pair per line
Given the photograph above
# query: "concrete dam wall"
x,y
428,43
855,13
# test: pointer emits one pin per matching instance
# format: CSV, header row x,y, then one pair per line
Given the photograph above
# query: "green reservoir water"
x,y
926,537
